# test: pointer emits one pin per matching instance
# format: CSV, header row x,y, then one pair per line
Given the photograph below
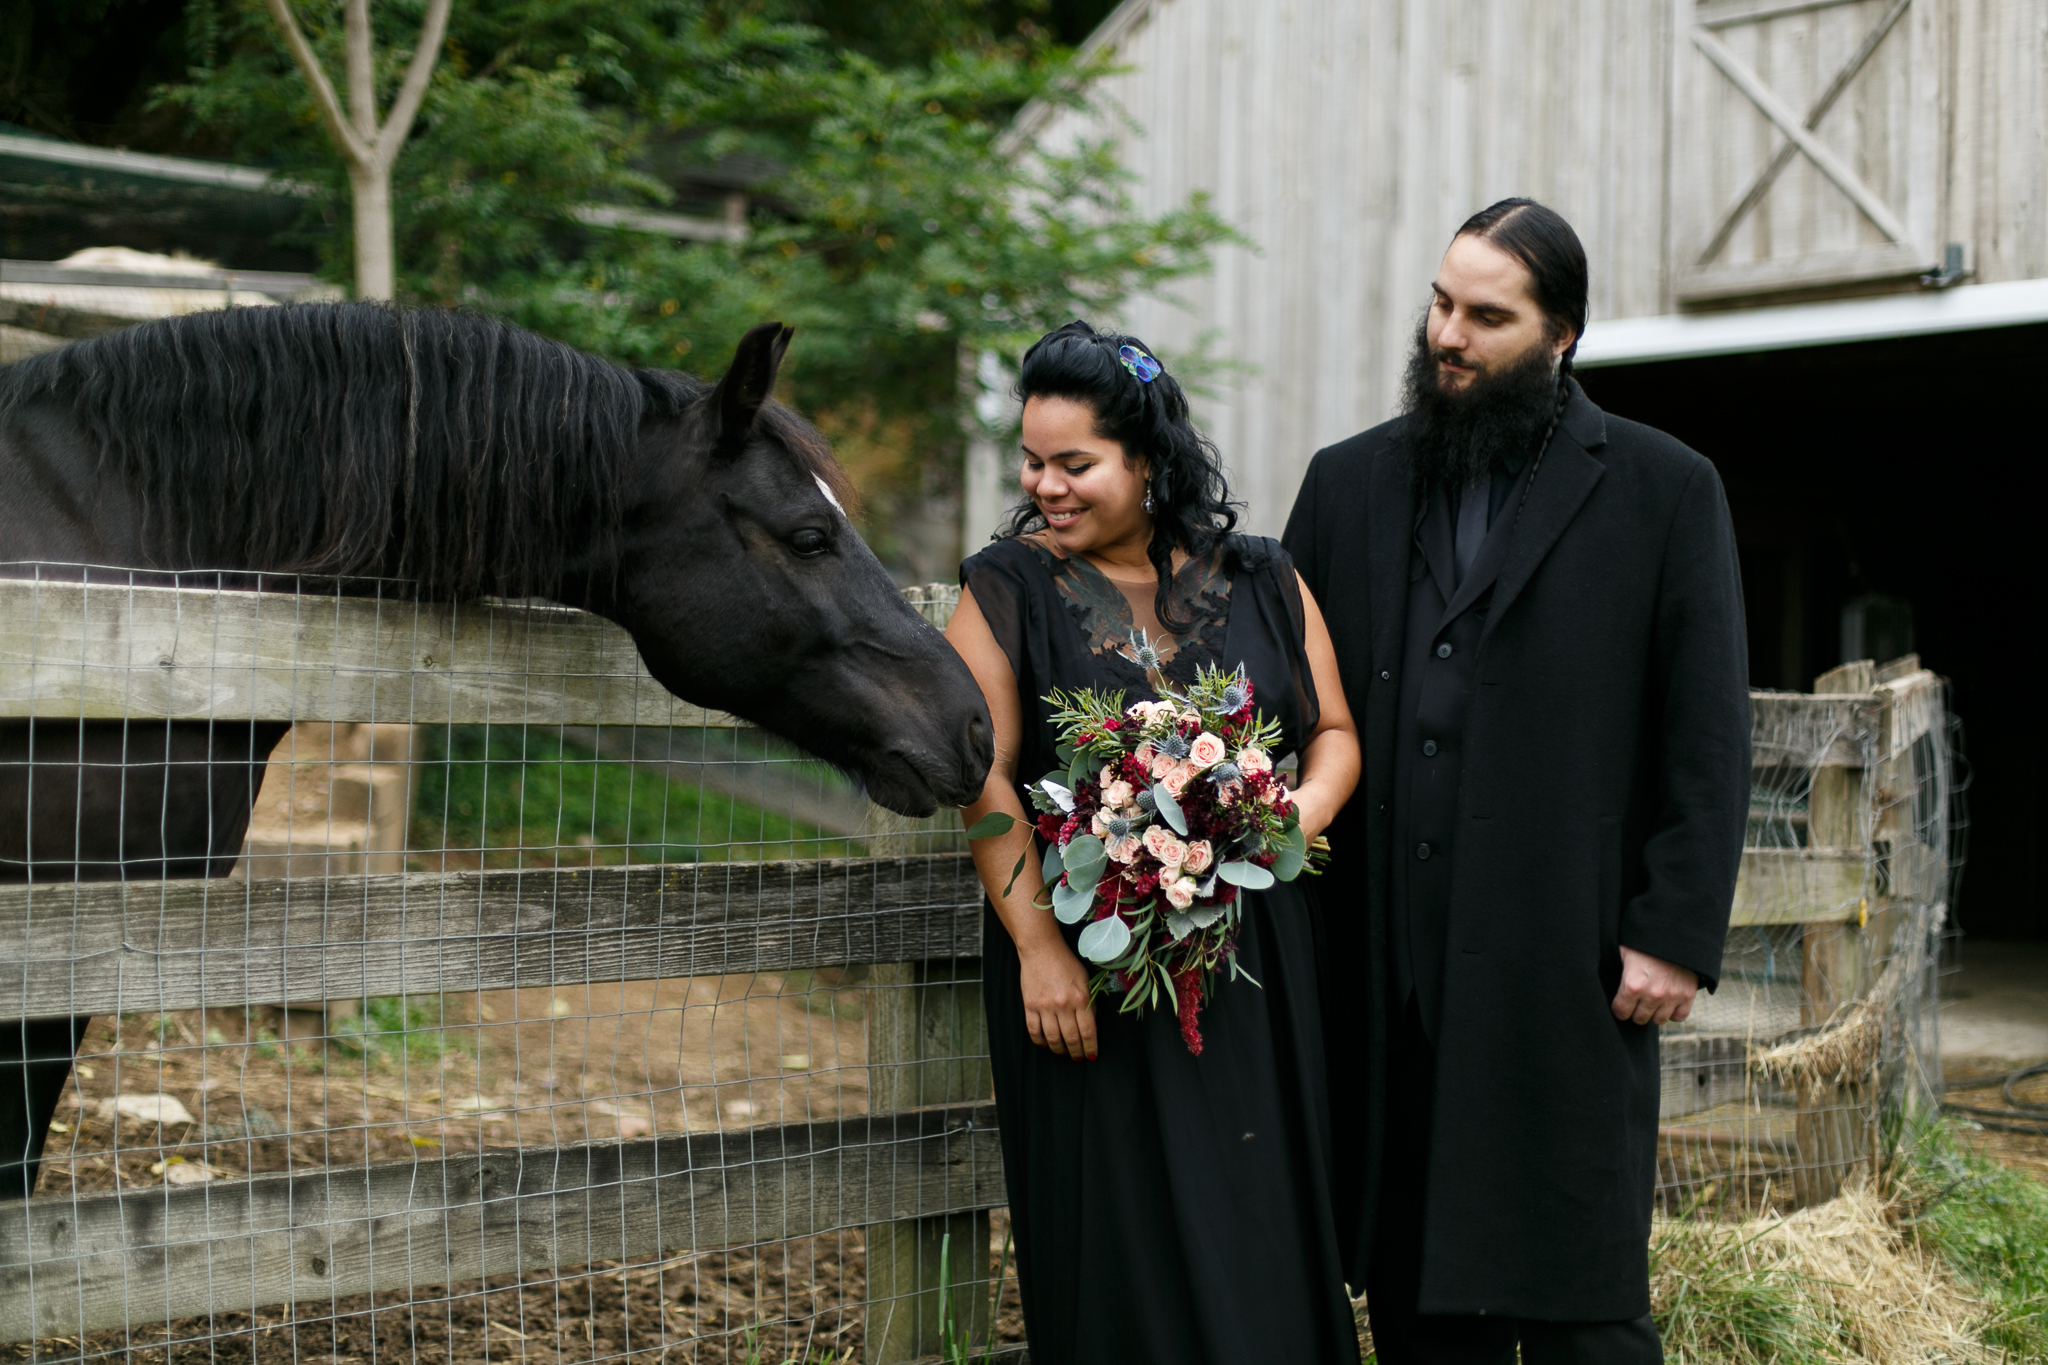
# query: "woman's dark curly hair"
x,y
1191,506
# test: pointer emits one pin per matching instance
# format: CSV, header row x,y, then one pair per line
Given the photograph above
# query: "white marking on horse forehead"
x,y
826,489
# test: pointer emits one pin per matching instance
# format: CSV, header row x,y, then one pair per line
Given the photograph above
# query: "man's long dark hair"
x,y
1541,239
1191,506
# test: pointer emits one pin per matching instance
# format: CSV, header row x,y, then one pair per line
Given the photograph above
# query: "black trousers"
x,y
35,1061
1393,1283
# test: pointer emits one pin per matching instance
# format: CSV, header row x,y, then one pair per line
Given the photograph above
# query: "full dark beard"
x,y
1453,438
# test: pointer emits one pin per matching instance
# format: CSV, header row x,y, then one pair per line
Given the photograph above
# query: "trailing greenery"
x,y
1989,1223
518,796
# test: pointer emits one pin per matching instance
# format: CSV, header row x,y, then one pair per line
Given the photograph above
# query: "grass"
x,y
518,796
1989,1224
397,1026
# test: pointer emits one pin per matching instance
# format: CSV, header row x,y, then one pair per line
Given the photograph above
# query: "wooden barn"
x,y
1819,242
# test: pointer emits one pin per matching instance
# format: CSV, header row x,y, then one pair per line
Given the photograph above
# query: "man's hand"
x,y
1654,991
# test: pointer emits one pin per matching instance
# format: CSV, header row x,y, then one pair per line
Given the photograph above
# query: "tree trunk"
x,y
370,189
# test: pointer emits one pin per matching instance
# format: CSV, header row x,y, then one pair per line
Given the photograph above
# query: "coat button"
x,y
1384,675
1429,748
1422,852
1443,651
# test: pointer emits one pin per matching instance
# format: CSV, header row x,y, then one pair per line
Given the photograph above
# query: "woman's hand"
x,y
1057,1011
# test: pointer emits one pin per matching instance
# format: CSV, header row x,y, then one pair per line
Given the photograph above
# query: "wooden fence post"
x,y
927,1045
1834,963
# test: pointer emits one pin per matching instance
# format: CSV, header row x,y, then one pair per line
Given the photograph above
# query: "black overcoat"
x,y
1602,802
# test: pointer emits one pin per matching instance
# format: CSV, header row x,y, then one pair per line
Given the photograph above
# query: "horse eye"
x,y
808,542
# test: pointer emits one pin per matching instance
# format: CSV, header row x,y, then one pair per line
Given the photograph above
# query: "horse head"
x,y
746,588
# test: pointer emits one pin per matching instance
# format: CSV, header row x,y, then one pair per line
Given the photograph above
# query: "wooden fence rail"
x,y
144,1257
119,947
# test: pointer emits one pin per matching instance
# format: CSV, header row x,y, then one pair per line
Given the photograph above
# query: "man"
x,y
1538,615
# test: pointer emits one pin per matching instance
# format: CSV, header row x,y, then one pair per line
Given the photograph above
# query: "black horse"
x,y
467,457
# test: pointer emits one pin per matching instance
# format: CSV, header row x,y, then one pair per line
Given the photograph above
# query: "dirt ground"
x,y
530,1067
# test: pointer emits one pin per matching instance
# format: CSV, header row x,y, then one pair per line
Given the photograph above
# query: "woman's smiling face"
x,y
1092,494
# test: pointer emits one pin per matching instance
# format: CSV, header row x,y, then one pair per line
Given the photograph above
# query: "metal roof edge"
x,y
1682,336
1111,31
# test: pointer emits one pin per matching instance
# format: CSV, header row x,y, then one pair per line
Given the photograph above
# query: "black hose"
x,y
2019,1116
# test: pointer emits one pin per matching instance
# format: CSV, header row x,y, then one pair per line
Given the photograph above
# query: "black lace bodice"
x,y
1064,623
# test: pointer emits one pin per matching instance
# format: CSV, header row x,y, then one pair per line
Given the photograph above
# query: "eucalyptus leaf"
x,y
1293,852
1106,940
1016,871
1049,863
1070,904
1064,752
1169,809
1086,855
990,825
1250,876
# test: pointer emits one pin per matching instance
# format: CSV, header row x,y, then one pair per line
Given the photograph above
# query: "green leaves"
x,y
1291,852
1085,859
1169,809
1105,940
990,825
1250,876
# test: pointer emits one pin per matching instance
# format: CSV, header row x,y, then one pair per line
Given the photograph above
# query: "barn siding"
x,y
1347,138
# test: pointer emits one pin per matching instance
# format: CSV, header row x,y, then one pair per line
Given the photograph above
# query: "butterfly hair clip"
x,y
1138,363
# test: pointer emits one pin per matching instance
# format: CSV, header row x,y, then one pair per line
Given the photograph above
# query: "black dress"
x,y
1167,1207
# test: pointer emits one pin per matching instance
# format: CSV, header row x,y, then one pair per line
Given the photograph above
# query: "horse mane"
x,y
319,438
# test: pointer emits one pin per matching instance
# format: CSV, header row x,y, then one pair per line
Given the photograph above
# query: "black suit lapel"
x,y
1563,479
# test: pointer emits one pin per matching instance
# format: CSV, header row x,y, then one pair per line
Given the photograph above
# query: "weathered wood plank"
x,y
104,948
1797,729
145,1257
107,651
1800,886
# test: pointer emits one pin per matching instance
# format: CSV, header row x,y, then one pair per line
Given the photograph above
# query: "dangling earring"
x,y
1148,497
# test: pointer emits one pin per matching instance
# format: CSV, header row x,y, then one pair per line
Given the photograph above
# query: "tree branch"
x,y
323,90
361,51
398,123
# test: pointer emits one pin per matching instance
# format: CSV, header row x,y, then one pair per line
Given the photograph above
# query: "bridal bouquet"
x,y
1164,812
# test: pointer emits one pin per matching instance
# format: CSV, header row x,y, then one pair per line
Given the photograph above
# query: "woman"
x,y
1167,1207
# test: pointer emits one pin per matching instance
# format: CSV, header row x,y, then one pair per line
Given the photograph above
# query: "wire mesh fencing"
x,y
422,981
1821,1041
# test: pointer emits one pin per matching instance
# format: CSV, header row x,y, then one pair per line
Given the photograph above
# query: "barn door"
x,y
1805,144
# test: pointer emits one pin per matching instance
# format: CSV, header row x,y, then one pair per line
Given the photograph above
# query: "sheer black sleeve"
x,y
996,579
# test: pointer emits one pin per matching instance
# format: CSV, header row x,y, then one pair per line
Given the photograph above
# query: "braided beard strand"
x,y
1454,437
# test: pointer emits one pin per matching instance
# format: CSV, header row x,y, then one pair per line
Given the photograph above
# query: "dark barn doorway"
x,y
1888,496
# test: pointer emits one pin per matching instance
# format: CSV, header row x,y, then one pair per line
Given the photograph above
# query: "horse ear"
x,y
748,383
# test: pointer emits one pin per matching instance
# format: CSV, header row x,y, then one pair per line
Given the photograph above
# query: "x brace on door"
x,y
1800,132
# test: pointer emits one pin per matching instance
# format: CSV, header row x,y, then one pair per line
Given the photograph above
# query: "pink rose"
x,y
1272,794
1177,776
1252,760
1116,794
1181,894
1207,751
1124,849
1106,776
1145,753
1162,765
1200,855
1161,844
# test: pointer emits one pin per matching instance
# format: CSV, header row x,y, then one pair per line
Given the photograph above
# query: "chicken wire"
x,y
1801,1069
741,1085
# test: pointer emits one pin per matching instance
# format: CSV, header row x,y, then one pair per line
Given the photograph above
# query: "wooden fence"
x,y
920,1172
